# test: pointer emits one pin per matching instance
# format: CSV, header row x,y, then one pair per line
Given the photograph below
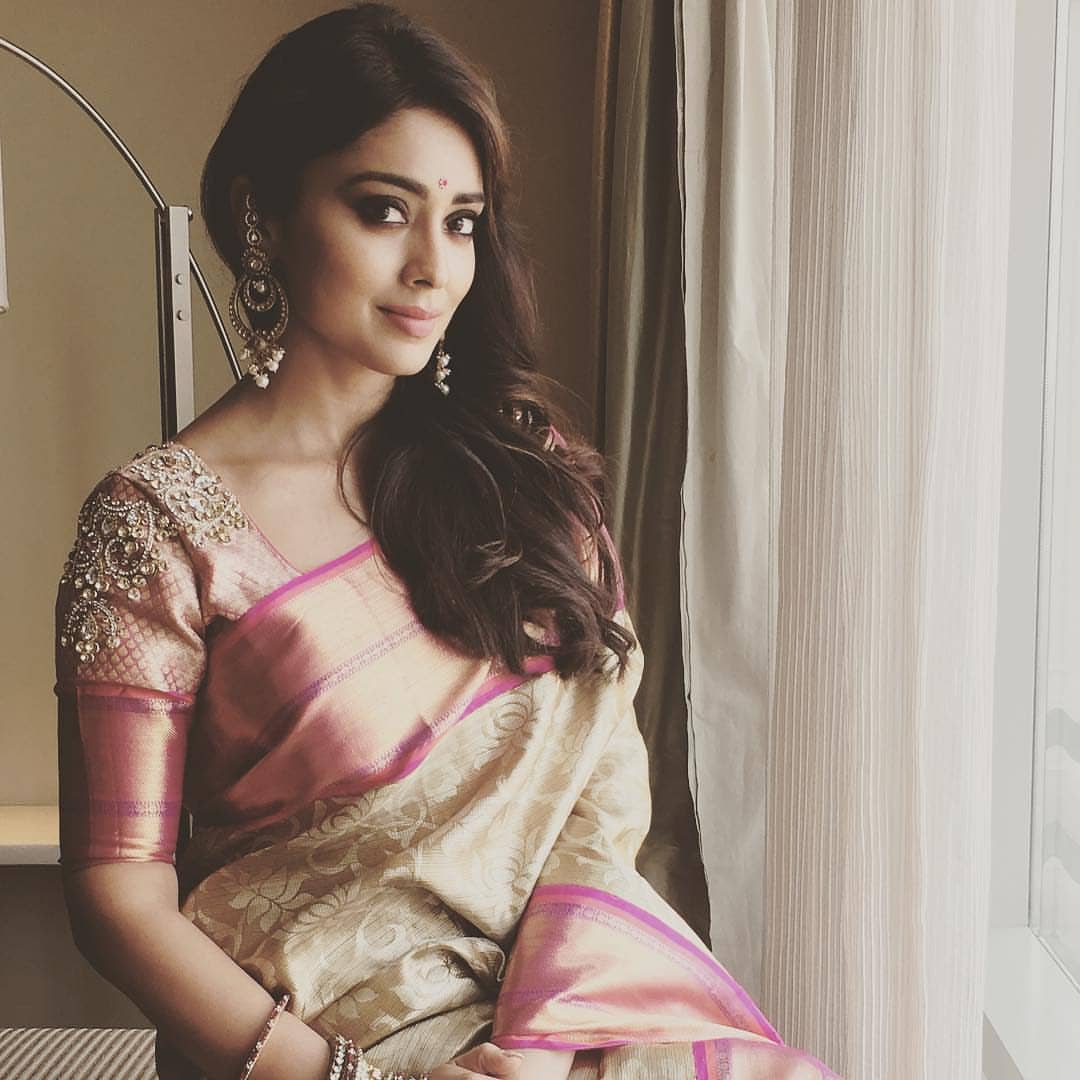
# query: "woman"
x,y
364,619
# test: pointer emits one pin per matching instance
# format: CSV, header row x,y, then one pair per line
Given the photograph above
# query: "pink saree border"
x,y
169,700
409,753
135,808
250,619
519,1042
495,685
701,1062
712,1059
590,895
412,749
705,1050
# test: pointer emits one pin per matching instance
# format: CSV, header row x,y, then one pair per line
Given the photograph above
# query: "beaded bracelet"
x,y
349,1063
256,1050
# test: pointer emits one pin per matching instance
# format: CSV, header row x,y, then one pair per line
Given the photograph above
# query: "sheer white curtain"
x,y
844,179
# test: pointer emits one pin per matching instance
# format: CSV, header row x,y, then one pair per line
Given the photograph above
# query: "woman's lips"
x,y
410,324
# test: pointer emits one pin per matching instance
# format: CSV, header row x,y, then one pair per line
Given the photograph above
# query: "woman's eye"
x,y
467,220
375,210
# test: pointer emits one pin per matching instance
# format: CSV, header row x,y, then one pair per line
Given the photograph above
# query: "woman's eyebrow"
x,y
410,185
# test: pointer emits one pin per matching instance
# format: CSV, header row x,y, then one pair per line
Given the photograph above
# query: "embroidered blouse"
x,y
168,612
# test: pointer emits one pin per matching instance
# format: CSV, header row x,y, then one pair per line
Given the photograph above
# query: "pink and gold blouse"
x,y
184,678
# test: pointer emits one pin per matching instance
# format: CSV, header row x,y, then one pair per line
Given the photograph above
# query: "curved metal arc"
x,y
139,171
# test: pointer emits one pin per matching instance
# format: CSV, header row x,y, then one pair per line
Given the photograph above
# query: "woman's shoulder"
x,y
166,488
158,539
175,480
127,583
174,477
161,499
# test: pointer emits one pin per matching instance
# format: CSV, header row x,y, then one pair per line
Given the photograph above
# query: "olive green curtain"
x,y
641,427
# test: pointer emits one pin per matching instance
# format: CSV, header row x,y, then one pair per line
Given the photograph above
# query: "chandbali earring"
x,y
442,368
260,291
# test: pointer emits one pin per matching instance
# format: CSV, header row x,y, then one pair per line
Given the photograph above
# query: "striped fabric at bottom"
x,y
77,1054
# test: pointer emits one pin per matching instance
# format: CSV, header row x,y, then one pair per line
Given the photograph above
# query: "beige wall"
x,y
78,350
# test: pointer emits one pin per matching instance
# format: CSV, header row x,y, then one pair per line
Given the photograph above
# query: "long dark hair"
x,y
485,503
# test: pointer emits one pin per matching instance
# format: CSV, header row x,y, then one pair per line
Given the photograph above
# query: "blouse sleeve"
x,y
130,655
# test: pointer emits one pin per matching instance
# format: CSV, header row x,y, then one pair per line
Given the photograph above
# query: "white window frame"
x,y
1031,1027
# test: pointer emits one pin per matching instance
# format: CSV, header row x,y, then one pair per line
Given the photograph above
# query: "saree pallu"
x,y
489,893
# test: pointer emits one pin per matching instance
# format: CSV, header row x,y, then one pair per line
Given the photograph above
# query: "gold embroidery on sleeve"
x,y
195,497
114,551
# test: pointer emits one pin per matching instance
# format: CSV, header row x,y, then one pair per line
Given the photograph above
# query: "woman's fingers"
x,y
487,1059
479,1063
452,1071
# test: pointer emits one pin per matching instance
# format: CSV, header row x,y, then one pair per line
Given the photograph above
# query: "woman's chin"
x,y
398,364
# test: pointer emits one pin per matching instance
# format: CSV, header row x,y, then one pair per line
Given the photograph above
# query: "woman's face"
x,y
357,246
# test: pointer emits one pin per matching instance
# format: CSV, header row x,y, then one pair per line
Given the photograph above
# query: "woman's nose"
x,y
428,257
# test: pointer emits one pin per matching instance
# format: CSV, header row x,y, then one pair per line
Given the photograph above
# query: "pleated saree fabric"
x,y
425,849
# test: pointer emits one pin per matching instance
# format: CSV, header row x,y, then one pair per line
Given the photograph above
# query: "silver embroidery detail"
x,y
113,551
195,497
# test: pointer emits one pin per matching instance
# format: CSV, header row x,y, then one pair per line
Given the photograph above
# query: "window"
x,y
1055,871
1032,1021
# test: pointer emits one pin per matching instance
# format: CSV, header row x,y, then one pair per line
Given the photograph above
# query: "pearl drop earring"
x,y
260,291
442,368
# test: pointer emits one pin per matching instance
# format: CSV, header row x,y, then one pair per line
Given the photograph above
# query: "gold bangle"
x,y
256,1050
373,1072
349,1063
340,1063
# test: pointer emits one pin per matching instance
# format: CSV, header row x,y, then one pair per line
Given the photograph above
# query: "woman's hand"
x,y
484,1060
546,1064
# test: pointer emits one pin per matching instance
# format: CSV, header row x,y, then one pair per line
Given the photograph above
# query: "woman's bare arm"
x,y
126,922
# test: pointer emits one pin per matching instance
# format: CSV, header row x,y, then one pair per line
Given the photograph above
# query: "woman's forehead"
x,y
419,144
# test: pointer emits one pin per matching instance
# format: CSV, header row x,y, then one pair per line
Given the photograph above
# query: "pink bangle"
x,y
256,1050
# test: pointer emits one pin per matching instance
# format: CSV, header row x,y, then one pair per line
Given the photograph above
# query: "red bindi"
x,y
443,181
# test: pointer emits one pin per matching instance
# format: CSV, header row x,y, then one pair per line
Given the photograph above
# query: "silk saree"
x,y
426,850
